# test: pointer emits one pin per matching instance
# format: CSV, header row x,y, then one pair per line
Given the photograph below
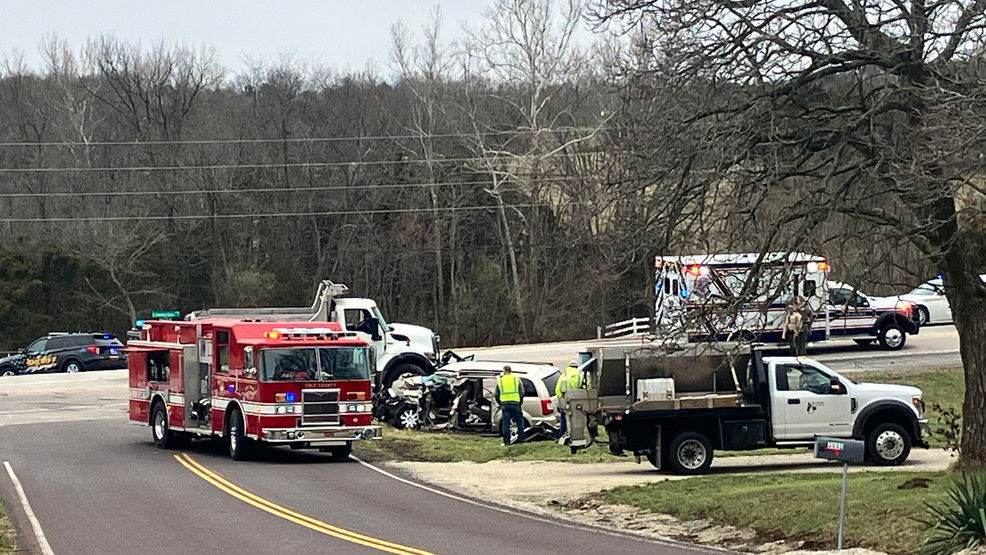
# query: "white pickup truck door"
x,y
803,403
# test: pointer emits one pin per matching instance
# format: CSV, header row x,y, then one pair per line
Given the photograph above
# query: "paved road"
x,y
935,346
97,485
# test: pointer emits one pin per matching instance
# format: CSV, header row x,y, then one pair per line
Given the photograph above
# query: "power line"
x,y
303,139
270,165
277,214
267,189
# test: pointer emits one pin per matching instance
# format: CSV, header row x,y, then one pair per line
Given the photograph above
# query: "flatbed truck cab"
x,y
302,384
675,408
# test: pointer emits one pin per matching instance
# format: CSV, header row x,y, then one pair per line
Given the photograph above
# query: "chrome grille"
x,y
319,407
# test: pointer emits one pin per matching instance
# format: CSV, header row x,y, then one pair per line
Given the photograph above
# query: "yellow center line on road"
x,y
277,510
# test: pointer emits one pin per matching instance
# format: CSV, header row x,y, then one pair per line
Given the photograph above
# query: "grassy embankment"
x,y
880,513
944,386
882,507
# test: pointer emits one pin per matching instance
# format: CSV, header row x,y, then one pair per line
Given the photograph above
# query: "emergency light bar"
x,y
307,334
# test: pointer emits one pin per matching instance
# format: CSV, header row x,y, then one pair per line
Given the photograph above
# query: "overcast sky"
x,y
336,33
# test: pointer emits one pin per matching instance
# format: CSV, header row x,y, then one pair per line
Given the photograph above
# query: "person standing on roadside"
x,y
510,393
793,328
571,378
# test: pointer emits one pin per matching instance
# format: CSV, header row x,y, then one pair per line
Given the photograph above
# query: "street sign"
x,y
165,314
845,451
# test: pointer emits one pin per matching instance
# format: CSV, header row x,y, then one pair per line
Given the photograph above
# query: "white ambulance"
x,y
729,297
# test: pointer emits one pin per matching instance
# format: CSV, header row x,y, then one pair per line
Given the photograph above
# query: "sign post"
x,y
845,451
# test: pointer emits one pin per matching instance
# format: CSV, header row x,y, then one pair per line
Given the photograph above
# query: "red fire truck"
x,y
302,384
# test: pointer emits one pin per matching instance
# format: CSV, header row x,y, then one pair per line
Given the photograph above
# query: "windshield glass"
x,y
551,380
315,364
924,290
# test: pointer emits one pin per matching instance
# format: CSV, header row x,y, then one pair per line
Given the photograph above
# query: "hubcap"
x,y
158,425
893,336
514,433
234,439
72,368
409,419
889,445
8,373
922,317
691,454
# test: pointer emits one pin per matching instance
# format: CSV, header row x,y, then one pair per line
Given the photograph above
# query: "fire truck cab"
x,y
302,384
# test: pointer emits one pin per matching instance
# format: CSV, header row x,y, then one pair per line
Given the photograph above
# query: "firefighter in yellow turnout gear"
x,y
571,378
510,393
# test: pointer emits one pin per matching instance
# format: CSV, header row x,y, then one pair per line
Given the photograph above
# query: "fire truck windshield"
x,y
315,364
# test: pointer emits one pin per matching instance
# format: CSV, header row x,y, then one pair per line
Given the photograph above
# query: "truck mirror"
x,y
836,385
248,362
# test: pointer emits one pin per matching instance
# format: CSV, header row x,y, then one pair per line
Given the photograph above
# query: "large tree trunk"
x,y
968,303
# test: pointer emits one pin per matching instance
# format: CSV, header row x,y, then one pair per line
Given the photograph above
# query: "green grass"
x,y
6,542
945,386
425,446
880,514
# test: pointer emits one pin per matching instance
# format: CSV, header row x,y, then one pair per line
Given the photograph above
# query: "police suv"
x,y
66,352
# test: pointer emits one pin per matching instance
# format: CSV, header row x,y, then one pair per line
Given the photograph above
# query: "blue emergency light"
x,y
139,323
231,388
290,397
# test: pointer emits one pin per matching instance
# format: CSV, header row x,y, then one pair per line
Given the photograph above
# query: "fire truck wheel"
x,y
160,431
236,439
339,452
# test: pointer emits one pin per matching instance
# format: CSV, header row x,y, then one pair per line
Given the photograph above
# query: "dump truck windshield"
x,y
315,364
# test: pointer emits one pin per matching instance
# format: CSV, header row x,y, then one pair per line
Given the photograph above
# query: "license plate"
x,y
114,357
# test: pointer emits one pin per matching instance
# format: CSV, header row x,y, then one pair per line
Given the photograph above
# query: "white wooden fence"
x,y
633,326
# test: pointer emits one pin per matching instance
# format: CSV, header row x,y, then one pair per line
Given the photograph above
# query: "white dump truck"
x,y
675,408
400,349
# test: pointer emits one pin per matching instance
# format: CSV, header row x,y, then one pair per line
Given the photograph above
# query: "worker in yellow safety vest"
x,y
510,394
570,379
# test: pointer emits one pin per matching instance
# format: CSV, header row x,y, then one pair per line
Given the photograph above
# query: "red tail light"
x,y
93,349
547,407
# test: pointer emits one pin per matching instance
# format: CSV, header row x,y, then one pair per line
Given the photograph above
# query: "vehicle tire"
x,y
160,429
892,337
236,438
923,316
8,371
72,366
888,445
339,452
407,417
690,453
403,370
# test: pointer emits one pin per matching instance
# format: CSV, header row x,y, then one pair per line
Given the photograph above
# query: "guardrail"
x,y
633,326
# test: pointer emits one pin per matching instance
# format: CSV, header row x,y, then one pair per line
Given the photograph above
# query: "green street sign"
x,y
165,314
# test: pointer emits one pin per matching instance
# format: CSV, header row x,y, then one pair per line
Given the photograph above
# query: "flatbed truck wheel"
x,y
689,453
888,445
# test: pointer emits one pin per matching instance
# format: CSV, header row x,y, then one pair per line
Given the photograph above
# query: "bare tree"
x,y
820,126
